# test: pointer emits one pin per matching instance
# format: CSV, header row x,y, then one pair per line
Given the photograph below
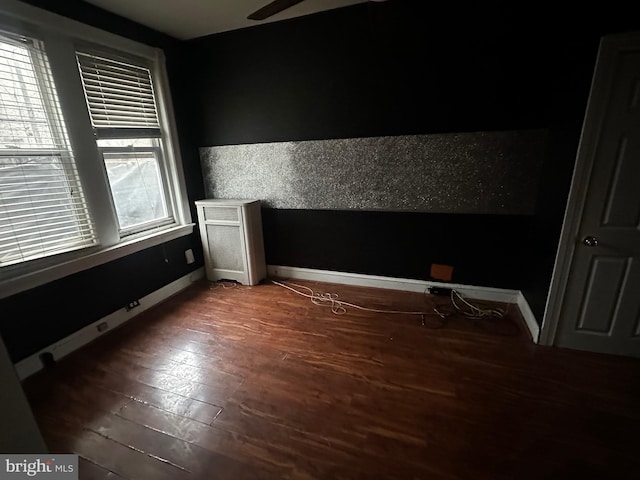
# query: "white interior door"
x,y
595,298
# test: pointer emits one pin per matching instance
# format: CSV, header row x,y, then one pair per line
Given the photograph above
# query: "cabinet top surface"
x,y
219,202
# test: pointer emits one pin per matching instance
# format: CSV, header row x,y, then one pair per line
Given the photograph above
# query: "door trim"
x,y
597,103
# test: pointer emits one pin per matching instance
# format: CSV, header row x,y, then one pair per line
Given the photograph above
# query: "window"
x,y
42,208
89,164
121,102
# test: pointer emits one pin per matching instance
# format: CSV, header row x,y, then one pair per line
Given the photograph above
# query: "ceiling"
x,y
187,19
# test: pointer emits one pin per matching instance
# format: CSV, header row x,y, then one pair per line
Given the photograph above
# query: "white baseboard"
x,y
59,349
405,284
529,317
410,285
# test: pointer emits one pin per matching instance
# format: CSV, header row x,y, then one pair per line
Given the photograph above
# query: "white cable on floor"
x,y
472,311
225,284
338,307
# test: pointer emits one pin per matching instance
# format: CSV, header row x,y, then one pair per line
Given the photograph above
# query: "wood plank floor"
x,y
258,382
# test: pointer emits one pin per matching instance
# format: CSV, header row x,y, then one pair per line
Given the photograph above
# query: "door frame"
x,y
589,138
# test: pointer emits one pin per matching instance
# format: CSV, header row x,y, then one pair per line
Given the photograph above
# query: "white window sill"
x,y
32,279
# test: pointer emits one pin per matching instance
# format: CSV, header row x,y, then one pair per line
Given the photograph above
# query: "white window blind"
x,y
121,102
42,207
119,95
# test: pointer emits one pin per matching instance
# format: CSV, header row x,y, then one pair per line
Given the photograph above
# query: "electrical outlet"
x,y
188,255
440,291
132,305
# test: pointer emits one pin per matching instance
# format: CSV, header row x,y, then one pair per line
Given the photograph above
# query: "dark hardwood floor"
x,y
258,382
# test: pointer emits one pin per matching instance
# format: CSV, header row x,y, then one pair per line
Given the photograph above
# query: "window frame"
x,y
59,148
62,37
166,192
109,133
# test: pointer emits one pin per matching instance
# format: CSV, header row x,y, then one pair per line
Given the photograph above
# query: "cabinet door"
x,y
222,232
231,233
225,247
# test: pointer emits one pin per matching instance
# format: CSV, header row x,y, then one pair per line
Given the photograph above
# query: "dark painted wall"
x,y
397,244
409,67
380,69
36,318
368,70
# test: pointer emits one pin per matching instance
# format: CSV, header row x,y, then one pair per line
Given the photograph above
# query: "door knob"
x,y
590,241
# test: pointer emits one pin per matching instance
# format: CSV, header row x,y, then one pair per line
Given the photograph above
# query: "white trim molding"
x,y
82,337
410,285
592,126
529,317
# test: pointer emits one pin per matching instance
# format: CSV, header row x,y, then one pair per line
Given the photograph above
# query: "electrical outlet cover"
x,y
441,272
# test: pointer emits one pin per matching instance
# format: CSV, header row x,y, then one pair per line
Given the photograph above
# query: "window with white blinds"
x,y
122,106
118,94
42,207
90,167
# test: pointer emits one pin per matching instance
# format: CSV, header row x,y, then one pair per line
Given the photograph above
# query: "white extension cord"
x,y
339,307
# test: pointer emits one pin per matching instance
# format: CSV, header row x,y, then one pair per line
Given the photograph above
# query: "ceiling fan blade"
x,y
272,8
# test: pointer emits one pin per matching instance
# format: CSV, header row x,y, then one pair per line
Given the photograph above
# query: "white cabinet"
x,y
231,232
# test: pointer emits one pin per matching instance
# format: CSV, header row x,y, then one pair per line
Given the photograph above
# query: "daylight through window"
x,y
122,106
42,207
90,167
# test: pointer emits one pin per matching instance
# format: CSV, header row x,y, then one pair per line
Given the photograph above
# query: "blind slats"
x,y
106,94
13,193
137,102
97,80
34,252
133,106
42,207
34,237
108,67
118,95
27,224
134,121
